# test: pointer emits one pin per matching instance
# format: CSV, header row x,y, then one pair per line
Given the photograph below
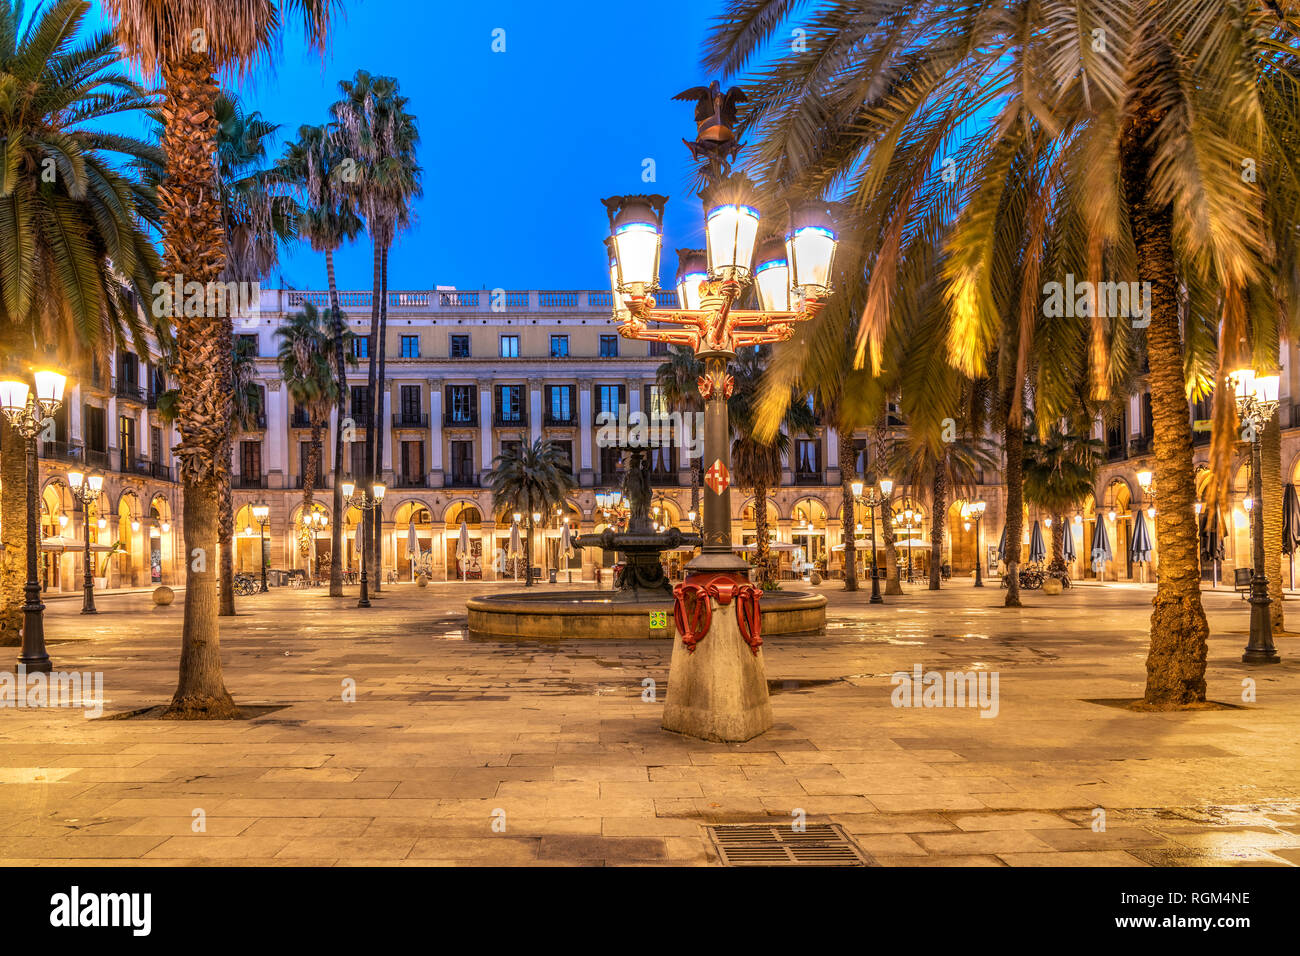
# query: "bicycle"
x,y
246,584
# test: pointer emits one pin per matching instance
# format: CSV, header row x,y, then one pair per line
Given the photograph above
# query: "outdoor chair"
x,y
1241,581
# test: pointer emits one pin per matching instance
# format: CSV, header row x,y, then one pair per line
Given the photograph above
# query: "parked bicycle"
x,y
1030,576
246,584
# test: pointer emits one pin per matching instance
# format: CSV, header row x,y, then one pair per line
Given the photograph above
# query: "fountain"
x,y
641,602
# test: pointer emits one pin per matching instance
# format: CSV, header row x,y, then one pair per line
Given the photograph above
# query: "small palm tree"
x,y
756,461
527,479
1060,472
679,377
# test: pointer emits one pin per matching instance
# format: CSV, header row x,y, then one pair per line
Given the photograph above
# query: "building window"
x,y
658,349
156,445
511,447
96,433
808,456
565,448
559,346
460,346
247,344
250,461
361,346
663,461
610,398
609,346
126,427
413,462
609,459
357,460
360,405
410,346
460,404
560,403
509,346
304,463
655,402
462,462
510,404
860,456
409,405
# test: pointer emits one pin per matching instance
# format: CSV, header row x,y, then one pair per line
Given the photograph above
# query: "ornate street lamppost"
x,y
27,412
716,600
977,512
86,489
365,502
872,502
1257,401
261,514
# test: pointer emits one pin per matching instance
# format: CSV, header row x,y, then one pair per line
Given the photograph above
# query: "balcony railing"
x,y
131,391
248,481
457,300
1139,446
461,479
62,451
512,421
554,421
410,420
809,478
463,421
299,421
98,459
161,472
412,481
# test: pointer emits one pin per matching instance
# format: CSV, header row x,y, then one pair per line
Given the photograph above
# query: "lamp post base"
x,y
1260,649
717,690
875,588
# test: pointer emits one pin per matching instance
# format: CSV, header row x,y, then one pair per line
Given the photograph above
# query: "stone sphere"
x,y
422,581
163,595
1052,586
815,578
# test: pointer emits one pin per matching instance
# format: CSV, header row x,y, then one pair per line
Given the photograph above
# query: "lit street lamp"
x,y
977,512
86,490
872,502
1257,401
27,412
365,502
261,513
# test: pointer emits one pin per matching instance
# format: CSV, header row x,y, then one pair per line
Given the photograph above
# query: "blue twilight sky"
x,y
518,147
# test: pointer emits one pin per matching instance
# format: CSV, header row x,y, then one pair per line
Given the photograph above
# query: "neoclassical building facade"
x,y
467,373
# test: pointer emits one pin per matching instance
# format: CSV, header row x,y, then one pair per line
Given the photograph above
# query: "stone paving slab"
x,y
460,752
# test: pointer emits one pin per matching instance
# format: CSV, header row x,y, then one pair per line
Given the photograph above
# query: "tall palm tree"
x,y
1127,138
679,376
380,137
313,165
527,479
187,42
74,226
755,459
306,357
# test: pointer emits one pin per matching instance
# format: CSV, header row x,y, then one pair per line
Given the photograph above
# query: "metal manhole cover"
x,y
764,844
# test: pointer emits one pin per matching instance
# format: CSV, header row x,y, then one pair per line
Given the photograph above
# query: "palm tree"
x,y
678,376
756,460
377,134
305,357
314,166
1060,470
163,39
1119,112
74,216
527,479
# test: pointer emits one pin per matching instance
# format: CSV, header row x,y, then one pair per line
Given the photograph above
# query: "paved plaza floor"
x,y
457,751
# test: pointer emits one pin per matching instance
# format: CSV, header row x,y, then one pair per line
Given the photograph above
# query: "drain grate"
x,y
763,844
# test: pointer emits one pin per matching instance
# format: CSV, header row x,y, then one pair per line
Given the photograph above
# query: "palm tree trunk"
x,y
1057,568
194,246
939,513
1176,660
13,524
762,548
379,411
1270,473
225,499
309,490
697,479
528,555
1014,444
372,415
848,522
880,442
341,370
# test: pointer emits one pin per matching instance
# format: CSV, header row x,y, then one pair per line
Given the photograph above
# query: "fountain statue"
x,y
642,574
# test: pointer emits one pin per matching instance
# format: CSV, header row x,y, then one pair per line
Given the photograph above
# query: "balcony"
x,y
511,421
62,451
809,478
299,419
129,390
1139,446
410,420
298,481
412,481
248,481
462,420
460,478
160,472
665,479
1116,452
97,458
552,421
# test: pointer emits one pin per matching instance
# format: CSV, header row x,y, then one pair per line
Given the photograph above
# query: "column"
x,y
435,432
485,422
833,456
111,426
74,416
534,408
386,429
276,444
585,428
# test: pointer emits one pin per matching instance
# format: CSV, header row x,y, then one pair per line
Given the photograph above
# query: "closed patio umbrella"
x,y
1067,541
1101,552
412,546
1140,550
566,547
1212,542
516,547
1002,545
1290,526
462,550
356,541
1036,549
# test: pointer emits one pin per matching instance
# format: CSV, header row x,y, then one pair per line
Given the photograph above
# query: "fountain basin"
x,y
602,615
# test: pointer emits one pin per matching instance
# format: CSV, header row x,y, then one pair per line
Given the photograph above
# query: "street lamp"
x,y
977,512
365,502
261,513
86,490
1257,401
26,412
872,502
